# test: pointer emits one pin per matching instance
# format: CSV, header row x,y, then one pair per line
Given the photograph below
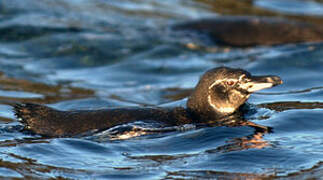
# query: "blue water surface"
x,y
95,54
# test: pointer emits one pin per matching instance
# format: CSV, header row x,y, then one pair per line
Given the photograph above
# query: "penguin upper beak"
x,y
257,83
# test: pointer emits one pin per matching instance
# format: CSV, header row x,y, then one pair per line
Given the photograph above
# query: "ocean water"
x,y
106,53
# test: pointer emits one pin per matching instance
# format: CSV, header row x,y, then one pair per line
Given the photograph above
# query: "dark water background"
x,y
78,54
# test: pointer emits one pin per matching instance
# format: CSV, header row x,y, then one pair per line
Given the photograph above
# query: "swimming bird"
x,y
244,31
219,93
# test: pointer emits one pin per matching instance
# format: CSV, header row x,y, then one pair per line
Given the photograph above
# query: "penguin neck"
x,y
218,107
207,106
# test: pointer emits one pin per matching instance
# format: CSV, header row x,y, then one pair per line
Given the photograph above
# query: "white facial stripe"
x,y
215,83
210,102
259,86
220,81
241,77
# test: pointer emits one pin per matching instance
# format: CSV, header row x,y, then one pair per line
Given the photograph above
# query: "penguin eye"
x,y
230,83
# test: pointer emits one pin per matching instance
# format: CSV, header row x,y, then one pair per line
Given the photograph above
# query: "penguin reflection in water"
x,y
216,100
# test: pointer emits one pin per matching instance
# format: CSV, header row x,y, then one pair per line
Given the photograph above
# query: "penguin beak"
x,y
257,83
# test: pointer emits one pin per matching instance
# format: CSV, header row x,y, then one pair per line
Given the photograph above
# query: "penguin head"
x,y
221,91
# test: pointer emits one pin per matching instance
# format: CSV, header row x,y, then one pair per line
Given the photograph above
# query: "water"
x,y
94,54
293,6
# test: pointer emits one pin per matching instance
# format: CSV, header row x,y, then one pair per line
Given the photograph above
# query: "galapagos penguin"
x,y
219,93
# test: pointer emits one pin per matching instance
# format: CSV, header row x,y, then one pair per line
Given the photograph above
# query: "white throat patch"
x,y
225,110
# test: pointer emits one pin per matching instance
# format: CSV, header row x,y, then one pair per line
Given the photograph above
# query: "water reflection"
x,y
292,6
254,140
283,106
136,129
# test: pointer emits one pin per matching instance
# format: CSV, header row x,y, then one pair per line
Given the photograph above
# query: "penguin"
x,y
220,92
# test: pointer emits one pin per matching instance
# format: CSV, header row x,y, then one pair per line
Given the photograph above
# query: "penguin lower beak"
x,y
262,82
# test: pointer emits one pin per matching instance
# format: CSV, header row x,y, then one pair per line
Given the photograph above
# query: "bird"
x,y
220,92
